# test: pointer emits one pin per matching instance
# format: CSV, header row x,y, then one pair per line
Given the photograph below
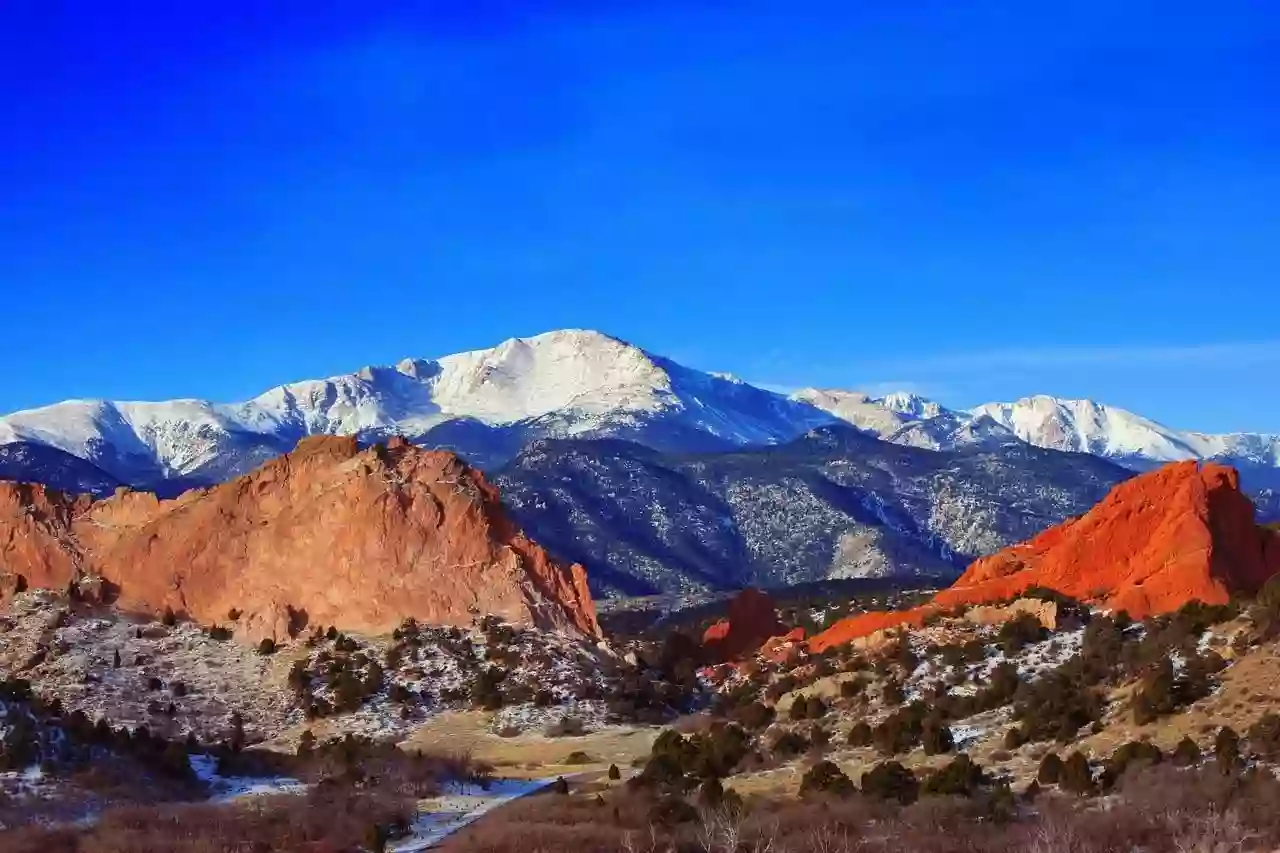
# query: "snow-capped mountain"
x,y
1088,427
908,419
1078,426
485,403
488,404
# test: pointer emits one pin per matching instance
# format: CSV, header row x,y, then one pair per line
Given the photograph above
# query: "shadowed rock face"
x,y
326,535
1183,532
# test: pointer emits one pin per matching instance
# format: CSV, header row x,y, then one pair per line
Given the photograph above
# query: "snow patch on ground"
x,y
454,811
225,789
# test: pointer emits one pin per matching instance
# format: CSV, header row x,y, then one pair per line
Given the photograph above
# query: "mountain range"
x,y
657,476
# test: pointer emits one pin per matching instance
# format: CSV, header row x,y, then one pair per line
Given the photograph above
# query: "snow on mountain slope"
x,y
950,431
1101,430
912,405
559,384
862,410
488,404
907,419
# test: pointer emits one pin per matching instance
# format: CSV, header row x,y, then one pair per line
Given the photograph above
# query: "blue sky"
x,y
977,200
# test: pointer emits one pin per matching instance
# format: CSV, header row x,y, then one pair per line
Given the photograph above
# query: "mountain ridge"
x,y
487,404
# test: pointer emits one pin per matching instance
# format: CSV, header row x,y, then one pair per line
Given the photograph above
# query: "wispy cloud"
x,y
1240,353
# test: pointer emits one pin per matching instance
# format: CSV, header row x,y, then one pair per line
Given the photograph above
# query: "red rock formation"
x,y
1183,532
752,620
358,539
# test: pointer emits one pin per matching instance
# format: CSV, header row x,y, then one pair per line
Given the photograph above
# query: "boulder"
x,y
1046,612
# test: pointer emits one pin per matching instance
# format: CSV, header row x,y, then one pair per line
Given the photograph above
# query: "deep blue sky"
x,y
978,199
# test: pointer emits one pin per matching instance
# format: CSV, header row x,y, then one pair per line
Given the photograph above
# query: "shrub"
x,y
900,732
788,744
486,690
961,777
1226,749
936,737
1264,736
578,757
169,619
860,734
1050,769
267,646
1076,775
852,688
671,810
1135,752
889,780
1056,707
826,778
1186,753
614,773
1015,634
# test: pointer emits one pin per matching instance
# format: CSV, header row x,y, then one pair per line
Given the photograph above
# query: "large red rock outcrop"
x,y
329,533
1179,533
752,619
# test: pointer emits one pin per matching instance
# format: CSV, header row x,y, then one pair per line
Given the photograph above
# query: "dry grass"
x,y
1250,688
1159,810
530,754
326,820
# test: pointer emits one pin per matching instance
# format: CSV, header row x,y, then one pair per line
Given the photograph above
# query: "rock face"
x,y
326,535
752,620
1180,533
1183,532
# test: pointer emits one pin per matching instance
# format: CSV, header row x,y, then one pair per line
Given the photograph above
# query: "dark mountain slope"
x,y
834,503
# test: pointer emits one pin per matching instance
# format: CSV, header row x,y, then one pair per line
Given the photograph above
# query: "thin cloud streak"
x,y
1258,352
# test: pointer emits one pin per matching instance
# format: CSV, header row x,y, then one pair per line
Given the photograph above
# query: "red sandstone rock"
x,y
358,539
752,620
1183,532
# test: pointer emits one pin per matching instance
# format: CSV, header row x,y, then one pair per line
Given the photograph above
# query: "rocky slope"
x,y
328,534
835,503
25,461
1181,533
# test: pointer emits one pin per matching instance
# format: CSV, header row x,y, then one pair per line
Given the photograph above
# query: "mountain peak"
x,y
908,403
